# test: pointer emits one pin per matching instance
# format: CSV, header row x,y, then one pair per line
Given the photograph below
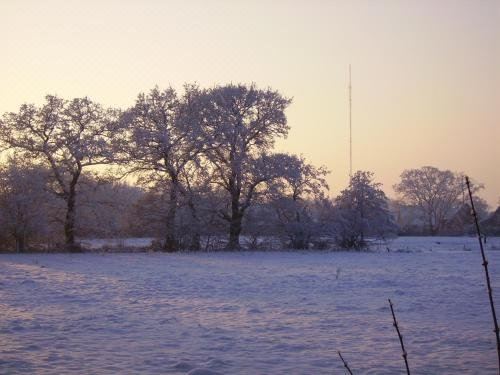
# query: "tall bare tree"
x,y
68,136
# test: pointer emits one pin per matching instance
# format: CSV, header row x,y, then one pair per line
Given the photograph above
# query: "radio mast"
x,y
350,124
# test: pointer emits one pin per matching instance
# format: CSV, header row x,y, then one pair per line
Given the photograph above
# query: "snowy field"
x,y
250,312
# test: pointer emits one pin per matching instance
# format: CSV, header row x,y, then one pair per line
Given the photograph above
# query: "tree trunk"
x,y
20,243
171,235
299,241
235,224
299,237
195,243
432,228
236,215
69,224
234,232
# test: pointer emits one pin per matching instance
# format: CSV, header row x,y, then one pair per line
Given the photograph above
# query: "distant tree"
x,y
162,139
482,207
204,227
240,128
68,136
105,207
362,210
436,193
24,202
299,185
149,212
408,218
461,221
261,225
491,225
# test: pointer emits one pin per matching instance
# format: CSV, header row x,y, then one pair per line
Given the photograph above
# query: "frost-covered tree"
x,y
362,210
162,139
24,202
241,124
436,193
299,185
68,136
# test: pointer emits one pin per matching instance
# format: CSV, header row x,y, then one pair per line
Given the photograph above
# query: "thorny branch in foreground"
x,y
345,363
485,265
405,355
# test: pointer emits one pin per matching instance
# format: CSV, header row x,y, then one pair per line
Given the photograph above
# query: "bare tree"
x,y
435,192
68,136
241,124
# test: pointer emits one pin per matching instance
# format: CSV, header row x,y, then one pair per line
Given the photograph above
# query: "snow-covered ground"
x,y
116,243
399,244
250,312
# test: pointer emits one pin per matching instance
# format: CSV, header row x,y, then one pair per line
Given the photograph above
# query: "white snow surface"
x,y
116,243
250,312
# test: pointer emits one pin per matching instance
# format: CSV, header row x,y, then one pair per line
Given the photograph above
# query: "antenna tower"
x,y
350,124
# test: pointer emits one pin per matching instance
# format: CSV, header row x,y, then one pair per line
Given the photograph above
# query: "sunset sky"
x,y
425,74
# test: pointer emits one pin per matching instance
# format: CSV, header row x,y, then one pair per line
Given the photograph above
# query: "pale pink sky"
x,y
426,74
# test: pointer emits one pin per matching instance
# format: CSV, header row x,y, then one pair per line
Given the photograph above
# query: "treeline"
x,y
204,171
